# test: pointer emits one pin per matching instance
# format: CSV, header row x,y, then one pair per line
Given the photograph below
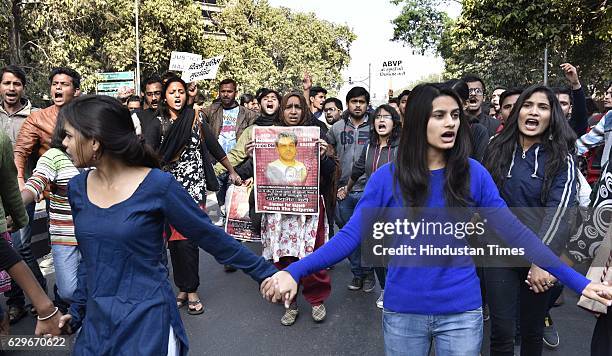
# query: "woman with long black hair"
x,y
532,165
186,143
432,298
124,304
382,149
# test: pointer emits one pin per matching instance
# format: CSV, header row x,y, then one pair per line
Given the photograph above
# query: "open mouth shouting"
x,y
532,124
448,136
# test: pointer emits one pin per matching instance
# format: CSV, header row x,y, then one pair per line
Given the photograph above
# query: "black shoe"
x,y
356,283
550,335
229,268
369,282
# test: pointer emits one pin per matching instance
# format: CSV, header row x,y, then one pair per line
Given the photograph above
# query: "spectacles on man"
x,y
475,91
329,109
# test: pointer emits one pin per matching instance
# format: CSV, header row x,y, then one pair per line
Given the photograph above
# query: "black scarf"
x,y
267,120
177,137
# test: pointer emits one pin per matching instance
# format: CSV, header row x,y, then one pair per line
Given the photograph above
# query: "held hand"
x,y
248,182
599,292
64,324
250,146
571,74
51,326
267,288
307,81
285,287
235,179
322,147
341,195
539,280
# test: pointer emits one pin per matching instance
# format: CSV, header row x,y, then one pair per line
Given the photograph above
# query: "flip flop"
x,y
194,304
180,302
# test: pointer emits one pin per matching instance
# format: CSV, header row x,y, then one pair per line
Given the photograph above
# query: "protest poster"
x,y
203,69
182,60
238,222
286,161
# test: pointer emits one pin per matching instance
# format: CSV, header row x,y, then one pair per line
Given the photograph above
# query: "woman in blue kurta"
x,y
124,303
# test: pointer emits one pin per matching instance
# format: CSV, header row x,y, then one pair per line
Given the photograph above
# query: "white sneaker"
x,y
47,261
379,301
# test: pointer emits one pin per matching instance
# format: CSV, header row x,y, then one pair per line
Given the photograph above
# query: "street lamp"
x,y
137,50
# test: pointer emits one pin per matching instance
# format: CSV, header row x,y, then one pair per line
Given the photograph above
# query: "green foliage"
x,y
503,41
265,46
273,47
420,24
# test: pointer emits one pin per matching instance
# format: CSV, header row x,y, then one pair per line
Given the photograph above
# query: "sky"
x,y
372,25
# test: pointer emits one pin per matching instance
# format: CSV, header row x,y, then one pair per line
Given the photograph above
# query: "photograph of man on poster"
x,y
286,170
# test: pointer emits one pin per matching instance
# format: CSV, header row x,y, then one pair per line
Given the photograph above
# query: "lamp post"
x,y
137,50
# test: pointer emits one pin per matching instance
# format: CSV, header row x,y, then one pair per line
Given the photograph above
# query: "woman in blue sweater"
x,y
531,164
437,302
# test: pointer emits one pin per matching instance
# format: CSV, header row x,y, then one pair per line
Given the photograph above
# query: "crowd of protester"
x,y
125,179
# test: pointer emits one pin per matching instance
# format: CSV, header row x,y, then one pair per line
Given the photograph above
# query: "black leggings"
x,y
601,344
503,285
185,256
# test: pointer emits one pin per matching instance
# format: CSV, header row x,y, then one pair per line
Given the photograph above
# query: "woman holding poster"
x,y
287,238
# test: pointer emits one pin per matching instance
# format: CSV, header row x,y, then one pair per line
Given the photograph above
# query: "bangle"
x,y
48,317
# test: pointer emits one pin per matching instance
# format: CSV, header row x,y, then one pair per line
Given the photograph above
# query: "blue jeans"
x,y
66,262
412,334
21,243
345,209
224,184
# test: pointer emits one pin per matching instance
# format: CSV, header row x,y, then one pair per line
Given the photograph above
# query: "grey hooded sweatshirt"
x,y
349,141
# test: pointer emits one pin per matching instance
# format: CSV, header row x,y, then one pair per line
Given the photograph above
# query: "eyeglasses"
x,y
329,110
475,91
384,117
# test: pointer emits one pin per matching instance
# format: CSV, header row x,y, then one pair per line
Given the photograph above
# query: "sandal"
x,y
194,310
180,302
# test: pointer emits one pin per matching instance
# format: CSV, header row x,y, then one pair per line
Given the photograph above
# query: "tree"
x,y
262,47
273,47
504,40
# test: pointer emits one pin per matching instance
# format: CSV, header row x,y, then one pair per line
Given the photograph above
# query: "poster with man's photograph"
x,y
286,169
238,223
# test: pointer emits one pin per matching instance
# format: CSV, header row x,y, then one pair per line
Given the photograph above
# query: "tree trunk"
x,y
15,33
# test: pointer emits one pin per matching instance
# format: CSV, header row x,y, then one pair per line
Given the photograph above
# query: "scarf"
x,y
177,137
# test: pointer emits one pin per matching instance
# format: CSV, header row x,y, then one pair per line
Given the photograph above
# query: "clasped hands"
x,y
280,287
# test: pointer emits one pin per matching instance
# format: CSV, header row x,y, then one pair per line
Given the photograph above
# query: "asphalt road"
x,y
237,321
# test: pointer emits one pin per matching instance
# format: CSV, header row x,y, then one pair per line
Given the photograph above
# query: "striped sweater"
x,y
53,170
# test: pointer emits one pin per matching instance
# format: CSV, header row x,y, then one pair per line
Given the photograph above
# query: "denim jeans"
x,y
223,179
412,334
21,243
508,294
66,262
345,209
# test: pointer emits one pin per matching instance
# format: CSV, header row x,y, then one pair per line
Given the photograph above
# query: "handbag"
x,y
600,271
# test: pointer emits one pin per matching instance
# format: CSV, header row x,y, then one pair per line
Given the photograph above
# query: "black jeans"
x,y
601,344
503,285
185,256
22,240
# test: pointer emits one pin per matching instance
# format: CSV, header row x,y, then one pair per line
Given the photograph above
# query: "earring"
x,y
550,138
